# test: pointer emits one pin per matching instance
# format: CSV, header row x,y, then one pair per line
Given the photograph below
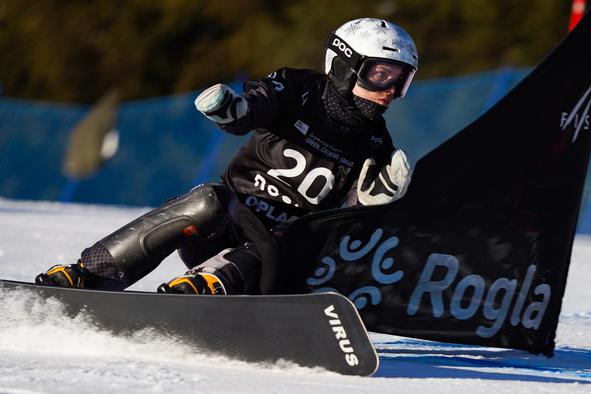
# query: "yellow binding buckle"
x,y
183,279
214,284
61,269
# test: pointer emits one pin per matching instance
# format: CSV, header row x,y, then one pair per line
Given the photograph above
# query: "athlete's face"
x,y
382,97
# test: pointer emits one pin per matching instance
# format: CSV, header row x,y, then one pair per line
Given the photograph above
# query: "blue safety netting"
x,y
166,147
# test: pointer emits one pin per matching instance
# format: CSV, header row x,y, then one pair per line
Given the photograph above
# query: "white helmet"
x,y
356,48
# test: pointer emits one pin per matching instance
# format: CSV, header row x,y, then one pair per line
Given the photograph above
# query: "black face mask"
x,y
368,108
349,113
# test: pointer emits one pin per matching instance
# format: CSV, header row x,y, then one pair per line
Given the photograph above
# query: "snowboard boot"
x,y
65,275
194,283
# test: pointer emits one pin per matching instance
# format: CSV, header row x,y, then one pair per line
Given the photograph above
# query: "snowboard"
x,y
311,330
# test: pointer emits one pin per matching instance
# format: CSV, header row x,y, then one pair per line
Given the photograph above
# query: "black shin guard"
x,y
201,217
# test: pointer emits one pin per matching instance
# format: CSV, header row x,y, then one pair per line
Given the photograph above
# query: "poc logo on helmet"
x,y
342,47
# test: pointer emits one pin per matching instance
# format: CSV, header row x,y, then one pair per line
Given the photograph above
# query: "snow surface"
x,y
42,352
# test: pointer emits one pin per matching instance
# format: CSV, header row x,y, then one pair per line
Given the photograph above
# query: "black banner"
x,y
478,250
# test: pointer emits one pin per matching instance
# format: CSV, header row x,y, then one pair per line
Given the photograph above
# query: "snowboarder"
x,y
319,142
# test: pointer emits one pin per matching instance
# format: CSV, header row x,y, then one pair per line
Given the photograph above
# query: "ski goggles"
x,y
366,68
380,74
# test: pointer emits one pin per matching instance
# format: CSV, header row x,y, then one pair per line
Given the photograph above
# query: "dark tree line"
x,y
76,50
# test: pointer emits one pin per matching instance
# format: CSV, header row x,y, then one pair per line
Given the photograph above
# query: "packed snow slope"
x,y
43,352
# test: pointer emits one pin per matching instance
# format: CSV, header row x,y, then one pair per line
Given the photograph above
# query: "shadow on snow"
x,y
422,359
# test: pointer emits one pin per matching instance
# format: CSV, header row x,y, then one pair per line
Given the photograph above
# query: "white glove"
x,y
221,104
389,185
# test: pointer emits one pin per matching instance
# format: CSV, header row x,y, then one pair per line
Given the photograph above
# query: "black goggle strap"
x,y
344,50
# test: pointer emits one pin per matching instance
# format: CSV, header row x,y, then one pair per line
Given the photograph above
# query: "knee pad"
x,y
221,233
137,248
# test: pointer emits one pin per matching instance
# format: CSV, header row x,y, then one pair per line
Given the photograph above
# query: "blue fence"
x,y
166,146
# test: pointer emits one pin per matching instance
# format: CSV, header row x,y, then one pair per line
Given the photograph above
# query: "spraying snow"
x,y
41,351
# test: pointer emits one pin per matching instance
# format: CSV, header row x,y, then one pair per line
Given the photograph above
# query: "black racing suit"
x,y
305,155
297,161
